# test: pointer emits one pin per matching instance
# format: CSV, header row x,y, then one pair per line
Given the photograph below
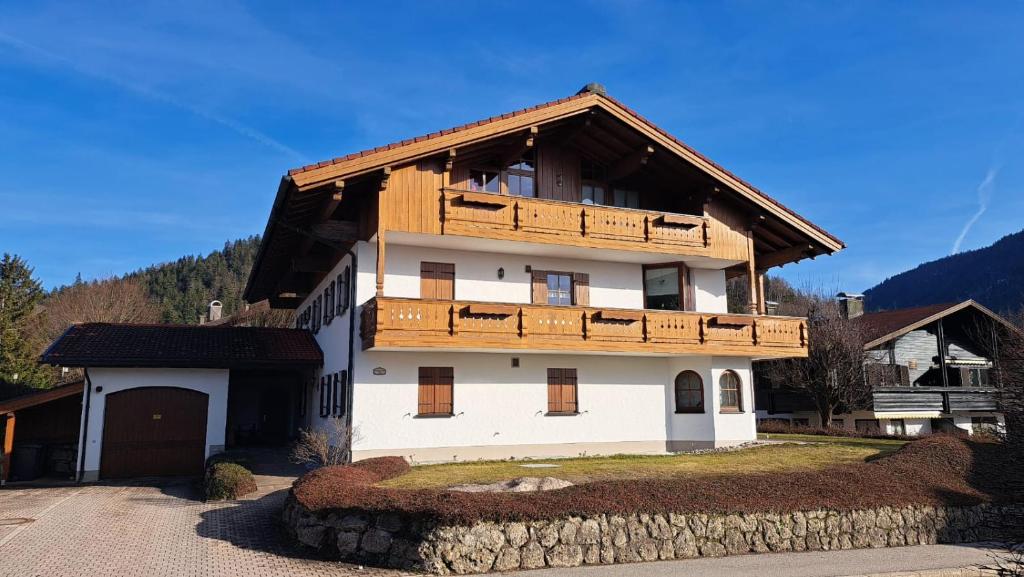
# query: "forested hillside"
x,y
183,288
993,276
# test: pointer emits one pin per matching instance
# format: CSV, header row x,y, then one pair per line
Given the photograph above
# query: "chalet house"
x,y
547,282
930,369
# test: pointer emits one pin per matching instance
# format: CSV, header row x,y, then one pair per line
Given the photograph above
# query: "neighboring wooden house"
x,y
39,428
929,369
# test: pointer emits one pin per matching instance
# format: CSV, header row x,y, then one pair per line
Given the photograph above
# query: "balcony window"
x,y
626,198
667,288
559,289
485,181
593,194
521,176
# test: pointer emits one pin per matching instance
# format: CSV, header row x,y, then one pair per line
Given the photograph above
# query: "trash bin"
x,y
28,462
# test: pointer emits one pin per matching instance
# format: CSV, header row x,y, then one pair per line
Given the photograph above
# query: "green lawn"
x,y
817,452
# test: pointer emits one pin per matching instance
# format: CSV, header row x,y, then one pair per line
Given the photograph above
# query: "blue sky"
x,y
136,133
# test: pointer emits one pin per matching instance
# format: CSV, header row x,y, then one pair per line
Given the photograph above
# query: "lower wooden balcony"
x,y
487,215
396,323
935,399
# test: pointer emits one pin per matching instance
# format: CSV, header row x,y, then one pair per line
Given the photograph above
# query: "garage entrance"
x,y
154,431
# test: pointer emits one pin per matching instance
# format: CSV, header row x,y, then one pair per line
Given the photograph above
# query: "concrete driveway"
x,y
137,530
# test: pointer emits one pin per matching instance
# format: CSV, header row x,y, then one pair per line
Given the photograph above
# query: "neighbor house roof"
x,y
123,345
884,326
39,396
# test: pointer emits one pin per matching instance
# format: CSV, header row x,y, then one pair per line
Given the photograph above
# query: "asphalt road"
x,y
805,564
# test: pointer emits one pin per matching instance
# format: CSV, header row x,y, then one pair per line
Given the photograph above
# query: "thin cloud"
x,y
984,198
233,125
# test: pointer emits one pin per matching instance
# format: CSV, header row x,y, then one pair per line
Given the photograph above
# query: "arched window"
x,y
689,393
730,385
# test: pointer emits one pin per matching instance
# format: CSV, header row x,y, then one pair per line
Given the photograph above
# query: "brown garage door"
x,y
154,431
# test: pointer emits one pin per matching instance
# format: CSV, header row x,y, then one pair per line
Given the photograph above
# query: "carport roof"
x,y
182,346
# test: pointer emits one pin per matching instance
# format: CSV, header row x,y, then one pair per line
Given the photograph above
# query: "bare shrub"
x,y
324,447
1010,563
832,375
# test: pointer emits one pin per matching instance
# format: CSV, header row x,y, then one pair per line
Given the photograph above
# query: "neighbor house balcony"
x,y
934,399
401,323
495,216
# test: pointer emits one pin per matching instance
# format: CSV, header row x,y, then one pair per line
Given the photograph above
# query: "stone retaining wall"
x,y
393,540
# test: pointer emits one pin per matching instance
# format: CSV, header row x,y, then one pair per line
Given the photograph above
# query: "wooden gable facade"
x,y
582,171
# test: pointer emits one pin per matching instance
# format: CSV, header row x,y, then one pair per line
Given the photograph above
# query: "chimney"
x,y
595,88
214,311
851,304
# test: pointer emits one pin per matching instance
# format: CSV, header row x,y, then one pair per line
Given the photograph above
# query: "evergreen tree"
x,y
20,294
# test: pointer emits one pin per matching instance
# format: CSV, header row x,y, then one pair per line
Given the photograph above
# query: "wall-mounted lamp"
x,y
501,272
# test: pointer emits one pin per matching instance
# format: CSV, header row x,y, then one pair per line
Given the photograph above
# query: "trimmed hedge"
x,y
937,470
774,427
225,480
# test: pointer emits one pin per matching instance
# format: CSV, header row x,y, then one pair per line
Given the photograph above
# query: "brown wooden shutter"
x,y
687,294
554,390
436,386
581,289
965,376
562,391
426,391
437,280
569,404
443,390
540,287
904,376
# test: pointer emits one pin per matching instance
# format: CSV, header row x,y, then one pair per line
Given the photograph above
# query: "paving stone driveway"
x,y
138,530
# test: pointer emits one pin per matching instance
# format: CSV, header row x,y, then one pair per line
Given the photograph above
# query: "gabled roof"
x,y
303,191
440,141
883,326
41,396
183,346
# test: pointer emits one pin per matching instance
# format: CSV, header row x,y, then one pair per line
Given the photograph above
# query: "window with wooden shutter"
x,y
340,393
329,303
437,281
435,391
562,397
325,398
344,290
560,288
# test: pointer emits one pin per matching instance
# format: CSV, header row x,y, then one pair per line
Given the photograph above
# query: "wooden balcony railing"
x,y
937,399
404,323
536,220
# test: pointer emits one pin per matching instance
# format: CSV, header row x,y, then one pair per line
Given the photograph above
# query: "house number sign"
x,y
380,371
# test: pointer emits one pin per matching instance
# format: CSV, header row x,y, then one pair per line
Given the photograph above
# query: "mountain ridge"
x,y
992,276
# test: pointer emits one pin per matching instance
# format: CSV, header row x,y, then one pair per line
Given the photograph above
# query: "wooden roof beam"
x,y
786,256
522,143
581,126
630,163
313,263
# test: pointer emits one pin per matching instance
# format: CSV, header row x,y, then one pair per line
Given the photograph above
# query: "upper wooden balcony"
x,y
488,215
395,323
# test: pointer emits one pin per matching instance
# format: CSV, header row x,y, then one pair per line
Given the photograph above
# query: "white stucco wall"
x,y
626,402
213,382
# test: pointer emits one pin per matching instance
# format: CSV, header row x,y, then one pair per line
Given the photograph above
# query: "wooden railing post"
x,y
643,327
753,332
522,322
700,332
453,316
583,324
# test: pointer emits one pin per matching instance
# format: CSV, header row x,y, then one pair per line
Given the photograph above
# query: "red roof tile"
x,y
193,346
